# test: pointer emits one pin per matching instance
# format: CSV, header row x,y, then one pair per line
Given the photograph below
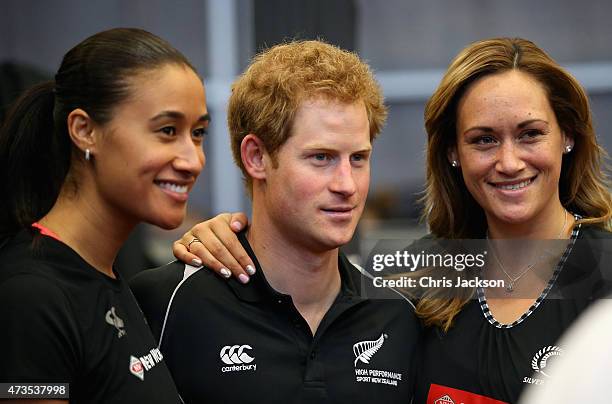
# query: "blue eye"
x,y
320,159
359,157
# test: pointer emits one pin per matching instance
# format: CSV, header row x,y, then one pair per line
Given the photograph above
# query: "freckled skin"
x,y
507,133
325,163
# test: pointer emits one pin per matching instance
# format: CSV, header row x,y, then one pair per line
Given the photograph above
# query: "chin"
x,y
511,216
168,223
339,240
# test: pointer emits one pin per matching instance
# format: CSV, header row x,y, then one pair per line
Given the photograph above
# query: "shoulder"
x,y
28,289
593,241
167,276
17,256
154,287
594,232
38,299
165,280
366,285
26,253
589,264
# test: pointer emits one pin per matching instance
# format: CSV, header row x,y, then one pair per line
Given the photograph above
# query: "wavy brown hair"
x,y
450,210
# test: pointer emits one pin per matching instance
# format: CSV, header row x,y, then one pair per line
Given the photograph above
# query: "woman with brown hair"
x,y
511,154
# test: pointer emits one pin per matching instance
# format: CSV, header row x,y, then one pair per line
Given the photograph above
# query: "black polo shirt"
x,y
228,342
63,321
481,360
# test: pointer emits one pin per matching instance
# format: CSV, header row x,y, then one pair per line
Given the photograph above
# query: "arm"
x,y
218,247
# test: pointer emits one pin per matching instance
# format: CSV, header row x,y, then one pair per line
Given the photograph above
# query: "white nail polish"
x,y
250,269
225,272
243,278
196,262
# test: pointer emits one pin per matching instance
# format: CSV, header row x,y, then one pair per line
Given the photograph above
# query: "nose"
x,y
509,159
343,181
189,157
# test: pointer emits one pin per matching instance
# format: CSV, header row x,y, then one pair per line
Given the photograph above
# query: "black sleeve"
x,y
40,338
153,289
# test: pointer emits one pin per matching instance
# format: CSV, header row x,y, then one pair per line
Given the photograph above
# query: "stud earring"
x,y
455,163
87,154
568,148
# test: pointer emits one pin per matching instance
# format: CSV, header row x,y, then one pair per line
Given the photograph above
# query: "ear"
x,y
81,129
567,141
453,157
254,156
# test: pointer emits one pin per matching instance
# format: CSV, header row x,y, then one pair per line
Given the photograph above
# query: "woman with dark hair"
x,y
114,140
511,154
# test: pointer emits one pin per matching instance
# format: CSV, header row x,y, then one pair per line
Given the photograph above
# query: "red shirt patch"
x,y
439,394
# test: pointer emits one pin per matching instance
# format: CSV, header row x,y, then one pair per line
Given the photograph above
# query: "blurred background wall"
x,y
408,43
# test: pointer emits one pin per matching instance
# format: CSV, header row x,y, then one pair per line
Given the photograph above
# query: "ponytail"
x,y
34,159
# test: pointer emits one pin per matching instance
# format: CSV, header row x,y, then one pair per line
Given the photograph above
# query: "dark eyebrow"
x,y
525,123
482,128
204,118
178,115
519,126
168,114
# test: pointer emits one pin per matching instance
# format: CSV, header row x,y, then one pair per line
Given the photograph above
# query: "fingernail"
x,y
236,225
250,269
196,262
225,273
243,278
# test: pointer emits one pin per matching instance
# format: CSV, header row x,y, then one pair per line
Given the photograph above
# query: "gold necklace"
x,y
513,281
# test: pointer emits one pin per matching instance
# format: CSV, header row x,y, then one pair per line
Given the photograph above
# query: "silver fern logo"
x,y
540,359
365,350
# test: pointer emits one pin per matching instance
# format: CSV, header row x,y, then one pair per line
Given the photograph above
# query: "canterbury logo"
x,y
364,350
235,355
539,361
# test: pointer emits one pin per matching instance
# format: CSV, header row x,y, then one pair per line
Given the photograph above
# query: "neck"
x,y
312,279
550,224
89,227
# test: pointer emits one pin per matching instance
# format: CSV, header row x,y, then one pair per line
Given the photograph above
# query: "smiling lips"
x,y
177,191
513,185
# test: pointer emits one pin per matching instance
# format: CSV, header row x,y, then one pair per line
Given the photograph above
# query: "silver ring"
x,y
194,240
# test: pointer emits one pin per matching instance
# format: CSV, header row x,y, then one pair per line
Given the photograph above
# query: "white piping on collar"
x,y
369,275
187,272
